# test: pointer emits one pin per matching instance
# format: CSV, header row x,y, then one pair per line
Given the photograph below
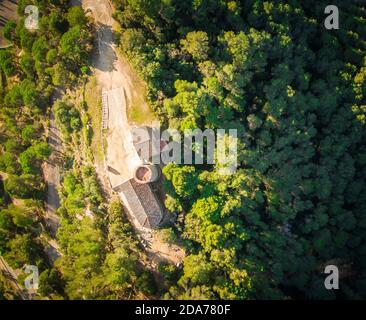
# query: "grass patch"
x,y
138,110
140,114
94,101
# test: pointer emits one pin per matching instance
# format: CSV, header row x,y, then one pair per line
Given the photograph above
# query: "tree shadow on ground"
x,y
105,53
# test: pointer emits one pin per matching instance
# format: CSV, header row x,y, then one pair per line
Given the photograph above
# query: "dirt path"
x,y
112,70
52,177
51,173
117,80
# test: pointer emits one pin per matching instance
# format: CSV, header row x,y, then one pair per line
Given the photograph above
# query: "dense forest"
x,y
33,72
296,93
